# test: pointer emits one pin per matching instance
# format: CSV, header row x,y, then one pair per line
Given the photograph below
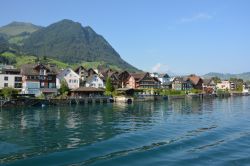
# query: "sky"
x,y
179,36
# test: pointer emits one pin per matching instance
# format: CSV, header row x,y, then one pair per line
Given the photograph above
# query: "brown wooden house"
x,y
196,81
39,79
142,80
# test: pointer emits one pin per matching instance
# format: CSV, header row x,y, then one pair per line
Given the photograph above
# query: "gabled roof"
x,y
156,79
194,79
208,82
91,71
138,76
80,68
65,72
31,69
181,79
90,78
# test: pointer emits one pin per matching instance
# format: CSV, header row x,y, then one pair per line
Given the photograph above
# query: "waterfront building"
x,y
123,78
39,79
94,81
86,92
71,78
10,77
182,83
165,81
246,88
113,75
224,85
142,80
196,81
83,73
209,86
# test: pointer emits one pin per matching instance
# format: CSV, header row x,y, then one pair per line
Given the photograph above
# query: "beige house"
x,y
224,85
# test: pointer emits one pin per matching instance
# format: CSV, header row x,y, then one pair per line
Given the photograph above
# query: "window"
x,y
6,78
50,78
18,79
18,85
52,85
5,84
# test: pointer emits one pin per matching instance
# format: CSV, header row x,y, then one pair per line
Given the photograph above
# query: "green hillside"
x,y
69,42
66,41
18,60
16,28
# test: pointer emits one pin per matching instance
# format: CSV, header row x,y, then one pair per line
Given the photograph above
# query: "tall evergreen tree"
x,y
109,86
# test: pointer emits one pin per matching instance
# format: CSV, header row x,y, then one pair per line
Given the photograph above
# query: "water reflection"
x,y
36,131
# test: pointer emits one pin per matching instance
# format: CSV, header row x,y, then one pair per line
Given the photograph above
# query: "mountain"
x,y
4,45
16,32
69,42
16,28
245,76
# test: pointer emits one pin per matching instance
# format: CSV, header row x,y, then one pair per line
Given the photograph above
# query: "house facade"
x,y
94,81
165,80
181,83
142,80
123,79
113,75
39,79
246,88
224,85
10,78
209,86
83,74
196,81
71,78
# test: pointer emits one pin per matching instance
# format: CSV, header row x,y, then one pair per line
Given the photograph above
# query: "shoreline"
x,y
34,102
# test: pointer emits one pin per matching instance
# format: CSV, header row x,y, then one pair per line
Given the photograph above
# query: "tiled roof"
x,y
194,79
138,76
29,69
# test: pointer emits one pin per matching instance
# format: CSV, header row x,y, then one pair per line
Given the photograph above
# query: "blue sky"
x,y
183,36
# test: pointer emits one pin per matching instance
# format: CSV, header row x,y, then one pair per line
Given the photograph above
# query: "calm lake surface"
x,y
180,132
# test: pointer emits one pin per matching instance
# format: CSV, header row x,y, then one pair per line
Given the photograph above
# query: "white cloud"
x,y
160,68
197,17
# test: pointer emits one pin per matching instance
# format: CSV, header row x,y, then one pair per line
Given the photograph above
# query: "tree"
x,y
8,92
216,79
64,87
109,86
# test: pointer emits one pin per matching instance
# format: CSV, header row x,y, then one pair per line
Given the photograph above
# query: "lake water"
x,y
180,132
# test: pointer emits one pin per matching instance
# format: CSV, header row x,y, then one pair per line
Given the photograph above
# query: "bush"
x,y
64,87
8,92
172,92
196,91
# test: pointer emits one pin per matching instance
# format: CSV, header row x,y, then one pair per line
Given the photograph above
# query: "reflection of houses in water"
x,y
186,106
23,122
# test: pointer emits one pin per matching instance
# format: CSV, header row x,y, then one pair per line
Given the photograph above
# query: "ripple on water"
x,y
181,132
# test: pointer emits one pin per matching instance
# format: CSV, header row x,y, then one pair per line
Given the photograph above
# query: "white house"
x,y
246,88
165,80
10,78
94,81
71,77
224,85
